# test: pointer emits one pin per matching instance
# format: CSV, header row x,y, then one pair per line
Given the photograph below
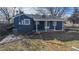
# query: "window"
x,y
24,22
27,21
54,23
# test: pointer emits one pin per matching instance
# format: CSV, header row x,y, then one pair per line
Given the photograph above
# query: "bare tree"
x,y
75,15
54,11
8,12
41,10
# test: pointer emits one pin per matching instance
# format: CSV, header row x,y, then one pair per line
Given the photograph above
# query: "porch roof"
x,y
49,20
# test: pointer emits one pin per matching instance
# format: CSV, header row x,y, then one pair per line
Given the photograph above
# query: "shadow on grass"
x,y
62,36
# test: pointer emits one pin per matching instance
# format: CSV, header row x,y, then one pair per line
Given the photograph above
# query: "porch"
x,y
48,26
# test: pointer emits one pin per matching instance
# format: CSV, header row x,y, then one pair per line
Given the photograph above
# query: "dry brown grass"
x,y
39,45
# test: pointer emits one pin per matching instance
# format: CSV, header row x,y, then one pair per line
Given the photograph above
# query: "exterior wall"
x,y
23,28
50,26
41,25
59,25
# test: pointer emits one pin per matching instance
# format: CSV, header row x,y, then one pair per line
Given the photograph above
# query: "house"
x,y
37,23
23,23
3,19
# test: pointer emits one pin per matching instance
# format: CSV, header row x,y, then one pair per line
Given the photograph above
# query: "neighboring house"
x,y
38,23
3,19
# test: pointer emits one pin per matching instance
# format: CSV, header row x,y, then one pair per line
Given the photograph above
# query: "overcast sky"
x,y
32,11
29,10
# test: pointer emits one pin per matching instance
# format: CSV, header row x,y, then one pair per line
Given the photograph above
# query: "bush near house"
x,y
5,29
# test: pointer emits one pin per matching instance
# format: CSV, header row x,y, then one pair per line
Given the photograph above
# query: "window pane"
x,y
24,22
27,21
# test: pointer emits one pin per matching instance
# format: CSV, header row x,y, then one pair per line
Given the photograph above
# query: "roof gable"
x,y
22,16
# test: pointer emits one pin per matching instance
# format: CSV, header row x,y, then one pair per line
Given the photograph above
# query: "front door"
x,y
41,26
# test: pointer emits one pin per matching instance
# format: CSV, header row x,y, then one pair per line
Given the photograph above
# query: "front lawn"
x,y
39,45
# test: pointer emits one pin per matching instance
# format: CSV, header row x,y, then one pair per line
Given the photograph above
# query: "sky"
x,y
69,11
32,11
29,10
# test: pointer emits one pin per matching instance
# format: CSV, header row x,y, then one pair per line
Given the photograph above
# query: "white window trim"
x,y
54,23
23,22
28,22
62,26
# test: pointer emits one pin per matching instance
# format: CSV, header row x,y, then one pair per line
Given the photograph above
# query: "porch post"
x,y
54,28
45,26
62,26
36,27
54,25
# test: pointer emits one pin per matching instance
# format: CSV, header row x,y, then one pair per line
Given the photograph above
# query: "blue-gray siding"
x,y
23,28
29,28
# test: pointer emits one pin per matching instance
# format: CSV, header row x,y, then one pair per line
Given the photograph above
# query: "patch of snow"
x,y
77,49
12,37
